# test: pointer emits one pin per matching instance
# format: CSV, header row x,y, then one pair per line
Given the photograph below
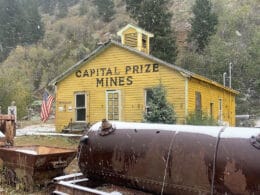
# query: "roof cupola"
x,y
135,37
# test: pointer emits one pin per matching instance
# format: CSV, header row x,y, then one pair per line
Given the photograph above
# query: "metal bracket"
x,y
255,141
105,132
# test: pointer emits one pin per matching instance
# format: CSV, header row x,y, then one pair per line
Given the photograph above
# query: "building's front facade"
x,y
113,82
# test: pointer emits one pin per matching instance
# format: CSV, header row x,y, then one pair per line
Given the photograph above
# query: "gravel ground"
x,y
42,129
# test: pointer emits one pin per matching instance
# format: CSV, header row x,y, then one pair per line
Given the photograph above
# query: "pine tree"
x,y
32,29
153,16
160,111
105,9
203,24
10,25
20,23
62,9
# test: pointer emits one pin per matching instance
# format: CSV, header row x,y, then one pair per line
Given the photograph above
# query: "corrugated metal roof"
x,y
107,44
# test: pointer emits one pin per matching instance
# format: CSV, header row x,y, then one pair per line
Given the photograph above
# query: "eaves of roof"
x,y
135,27
107,44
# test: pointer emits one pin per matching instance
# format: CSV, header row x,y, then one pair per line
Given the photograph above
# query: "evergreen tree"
x,y
203,24
20,23
83,8
48,6
153,16
105,9
160,111
32,29
10,25
62,9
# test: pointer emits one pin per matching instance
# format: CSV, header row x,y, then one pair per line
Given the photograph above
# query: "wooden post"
x,y
9,132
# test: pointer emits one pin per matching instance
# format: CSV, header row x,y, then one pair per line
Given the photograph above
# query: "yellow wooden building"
x,y
114,81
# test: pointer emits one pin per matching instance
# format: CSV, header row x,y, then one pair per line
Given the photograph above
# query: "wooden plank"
x,y
7,117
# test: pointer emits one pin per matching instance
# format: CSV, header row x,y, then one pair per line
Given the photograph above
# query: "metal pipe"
x,y
224,78
230,69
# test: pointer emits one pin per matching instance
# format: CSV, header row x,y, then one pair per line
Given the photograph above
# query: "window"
x,y
80,107
148,98
198,101
113,105
220,112
211,109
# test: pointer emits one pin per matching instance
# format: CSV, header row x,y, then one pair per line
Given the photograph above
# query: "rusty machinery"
x,y
28,166
173,159
8,129
34,165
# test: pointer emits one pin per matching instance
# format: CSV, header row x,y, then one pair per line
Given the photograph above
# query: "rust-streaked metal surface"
x,y
35,164
7,127
174,160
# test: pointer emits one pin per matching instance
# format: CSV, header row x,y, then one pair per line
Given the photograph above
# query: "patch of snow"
x,y
1,134
42,129
29,130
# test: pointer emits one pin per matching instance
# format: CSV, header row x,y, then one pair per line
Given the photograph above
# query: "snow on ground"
x,y
42,129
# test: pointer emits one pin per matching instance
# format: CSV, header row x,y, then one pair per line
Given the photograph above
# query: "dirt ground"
x,y
55,141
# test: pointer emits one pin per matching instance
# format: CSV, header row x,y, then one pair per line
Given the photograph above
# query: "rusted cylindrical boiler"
x,y
173,159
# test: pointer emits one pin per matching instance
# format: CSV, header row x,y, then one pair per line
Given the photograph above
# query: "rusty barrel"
x,y
173,159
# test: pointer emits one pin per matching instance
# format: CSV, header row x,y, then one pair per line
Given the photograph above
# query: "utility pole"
x,y
224,79
230,68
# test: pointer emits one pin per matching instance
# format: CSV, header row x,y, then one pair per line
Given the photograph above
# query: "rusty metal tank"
x,y
173,159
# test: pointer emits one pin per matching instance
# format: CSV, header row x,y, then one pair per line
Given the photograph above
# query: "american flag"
x,y
46,106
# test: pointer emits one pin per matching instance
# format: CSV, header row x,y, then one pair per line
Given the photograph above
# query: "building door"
x,y
80,107
113,105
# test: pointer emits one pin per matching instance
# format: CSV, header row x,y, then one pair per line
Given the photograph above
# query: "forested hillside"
x,y
39,39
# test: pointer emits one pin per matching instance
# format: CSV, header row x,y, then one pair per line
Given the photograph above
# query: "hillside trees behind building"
x,y
13,89
20,24
105,9
203,24
58,8
236,43
154,16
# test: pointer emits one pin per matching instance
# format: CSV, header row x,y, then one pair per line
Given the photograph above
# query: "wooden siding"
x,y
139,40
132,87
212,94
131,39
131,32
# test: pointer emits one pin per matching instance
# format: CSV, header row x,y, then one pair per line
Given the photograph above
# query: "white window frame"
x,y
76,108
119,103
